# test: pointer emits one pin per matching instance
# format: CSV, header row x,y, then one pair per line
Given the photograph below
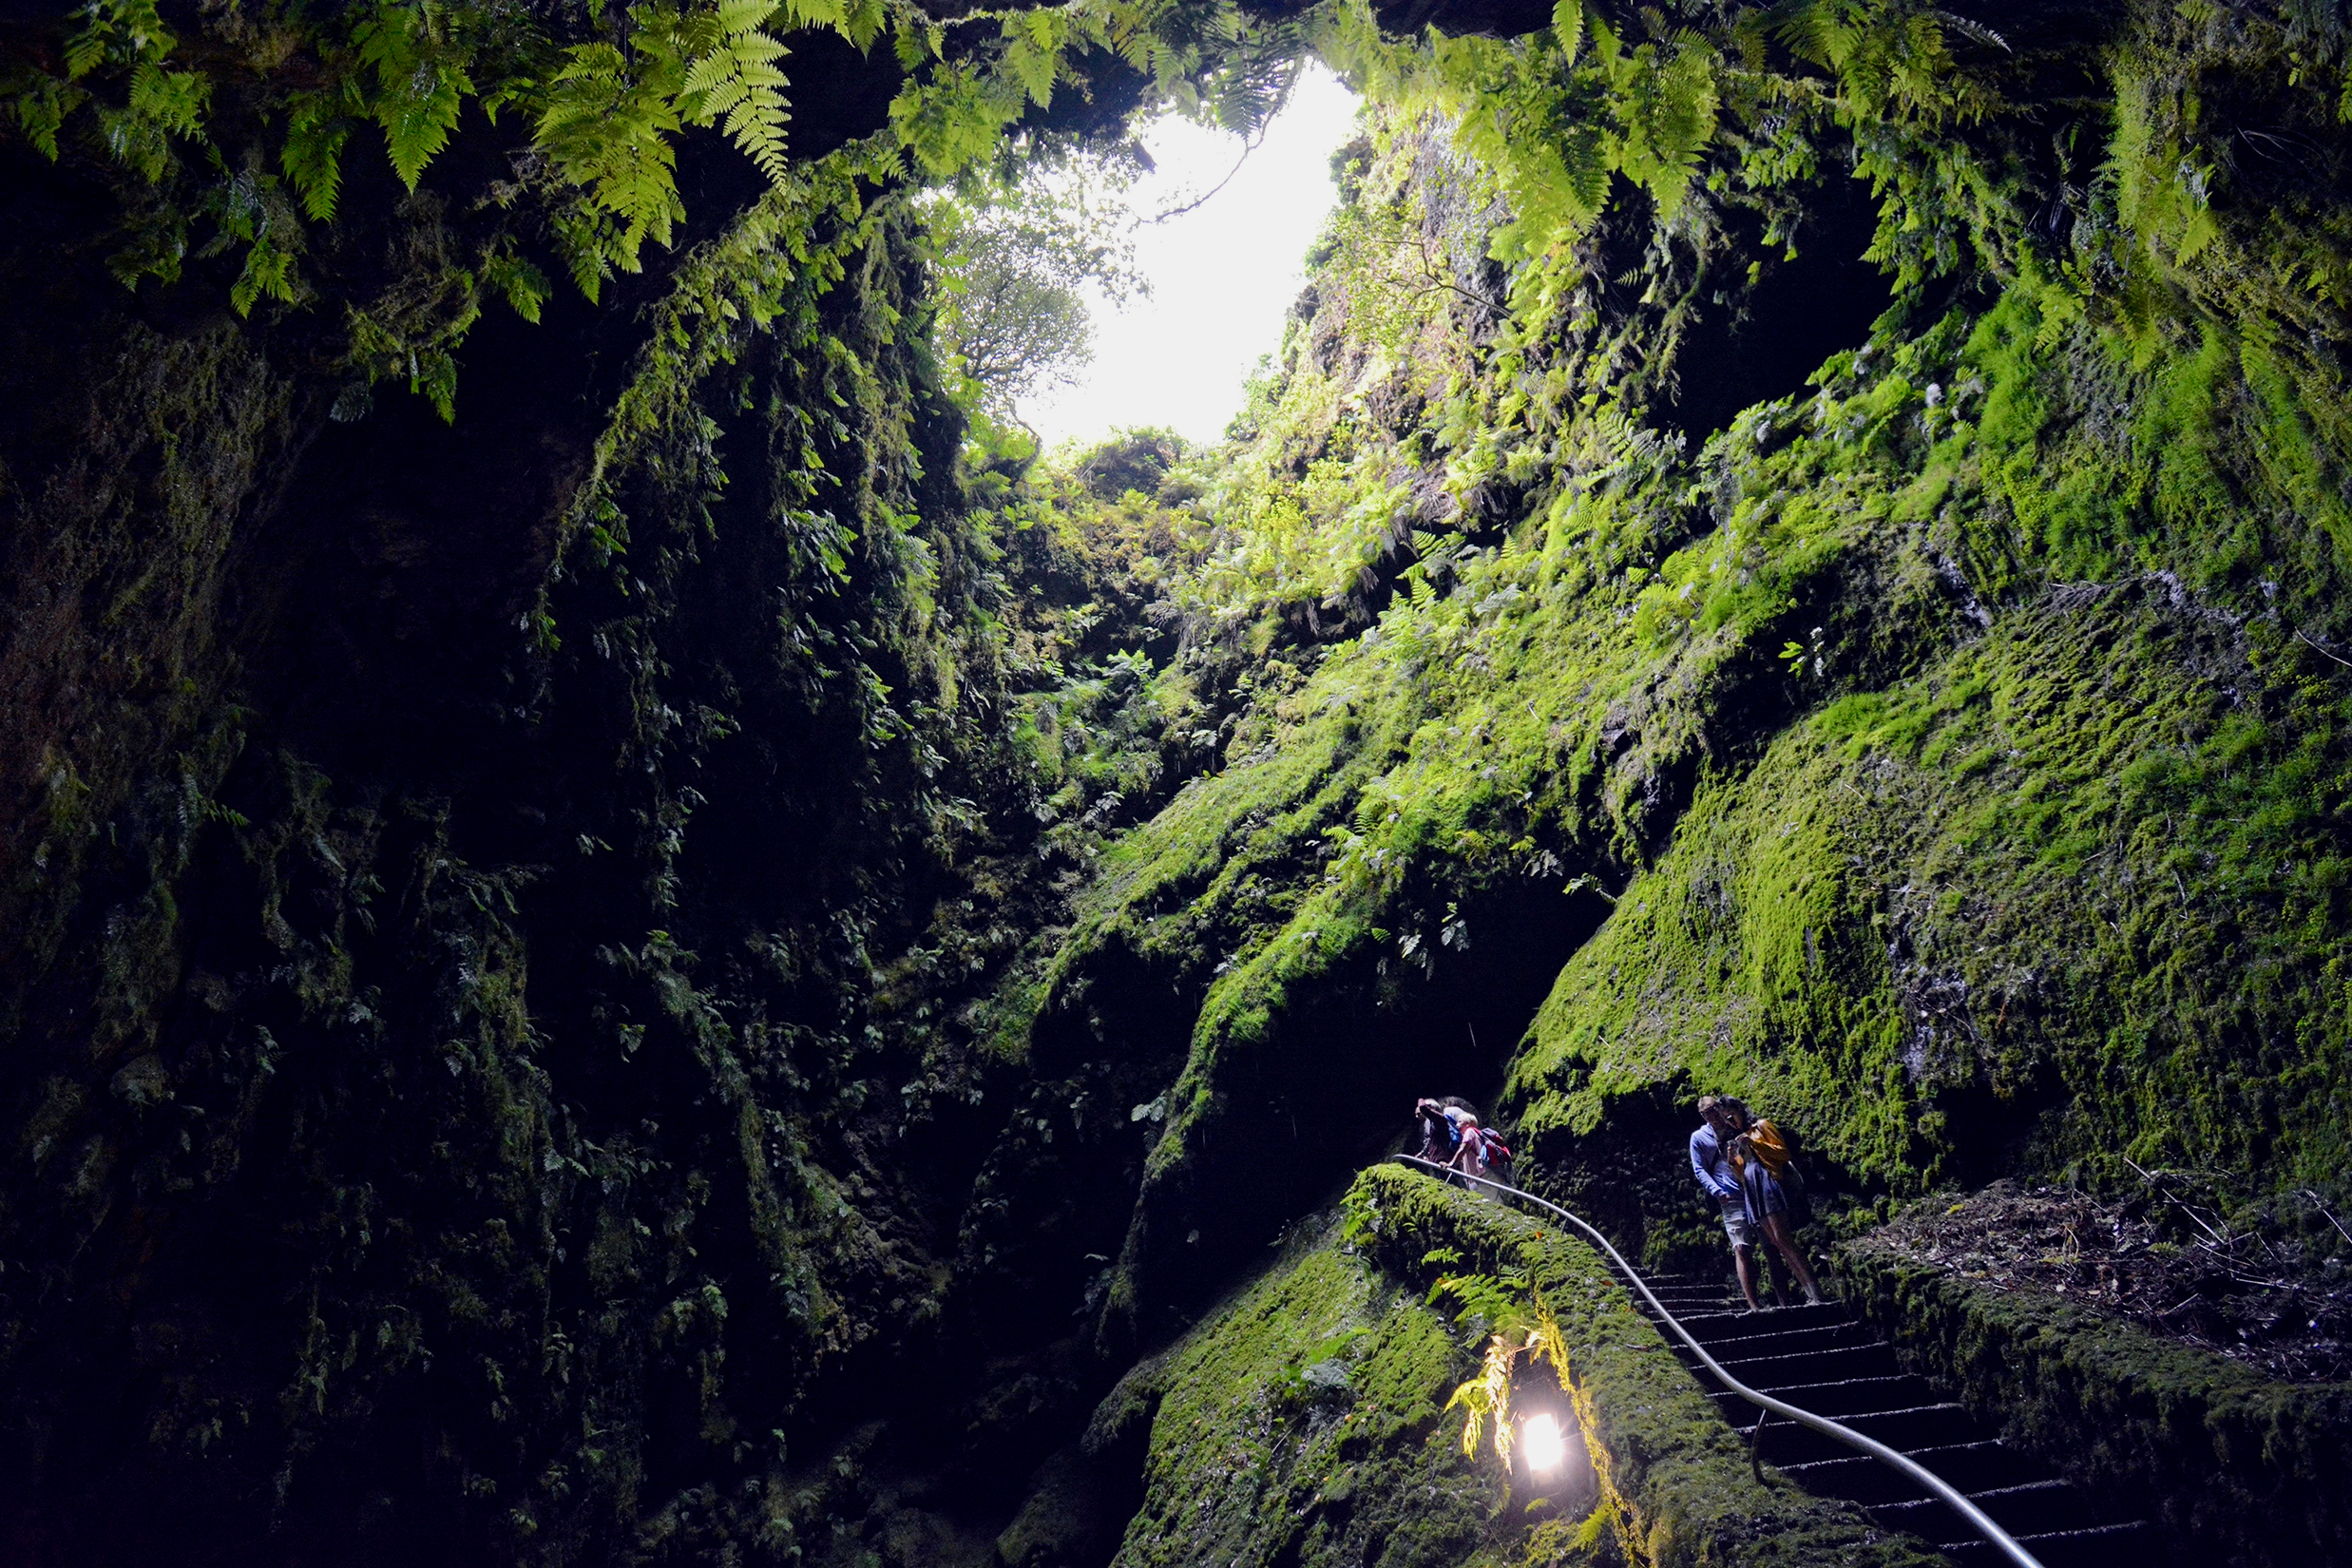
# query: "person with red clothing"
x,y
1481,1153
1452,1136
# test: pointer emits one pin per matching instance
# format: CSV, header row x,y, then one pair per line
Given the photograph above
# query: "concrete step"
x,y
1858,1478
2022,1509
1786,1443
2094,1546
1679,1300
1771,1369
1710,1328
1849,1396
1771,1338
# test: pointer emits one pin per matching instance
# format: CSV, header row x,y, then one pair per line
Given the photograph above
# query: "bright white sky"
x,y
1222,276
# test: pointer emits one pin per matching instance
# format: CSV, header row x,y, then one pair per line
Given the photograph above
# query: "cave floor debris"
x,y
2255,1282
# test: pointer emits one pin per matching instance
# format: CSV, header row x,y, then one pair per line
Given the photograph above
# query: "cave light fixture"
x,y
1544,1443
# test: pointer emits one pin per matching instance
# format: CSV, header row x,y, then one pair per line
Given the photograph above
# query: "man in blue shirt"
x,y
1720,1182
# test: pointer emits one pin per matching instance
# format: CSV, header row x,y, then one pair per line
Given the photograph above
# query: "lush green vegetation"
x,y
1307,1418
720,948
1877,796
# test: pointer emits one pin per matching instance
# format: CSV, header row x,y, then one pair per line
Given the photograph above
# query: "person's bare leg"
x,y
1745,1263
1776,1230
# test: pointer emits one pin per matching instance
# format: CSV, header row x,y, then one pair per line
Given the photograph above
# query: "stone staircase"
x,y
1822,1360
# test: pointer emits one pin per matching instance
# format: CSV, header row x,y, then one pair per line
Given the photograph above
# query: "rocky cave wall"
x,y
569,999
454,832
1950,754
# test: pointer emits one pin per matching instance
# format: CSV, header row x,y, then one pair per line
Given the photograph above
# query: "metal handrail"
x,y
1942,1490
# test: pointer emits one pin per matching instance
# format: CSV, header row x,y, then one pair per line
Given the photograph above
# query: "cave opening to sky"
x,y
1222,274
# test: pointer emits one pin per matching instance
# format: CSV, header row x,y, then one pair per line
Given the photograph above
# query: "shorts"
x,y
1735,1221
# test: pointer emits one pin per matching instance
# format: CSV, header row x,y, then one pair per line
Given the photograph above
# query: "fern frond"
x,y
523,286
1035,68
171,99
736,85
609,135
119,32
86,50
738,17
862,21
41,110
1568,29
162,103
313,156
1534,1334
420,87
250,208
589,243
268,271
1818,31
1976,31
435,380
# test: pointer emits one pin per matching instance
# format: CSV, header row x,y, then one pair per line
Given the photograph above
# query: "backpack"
x,y
1499,1159
1793,1185
1800,1200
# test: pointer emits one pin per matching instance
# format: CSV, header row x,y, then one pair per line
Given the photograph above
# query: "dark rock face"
x,y
1463,18
326,1195
439,934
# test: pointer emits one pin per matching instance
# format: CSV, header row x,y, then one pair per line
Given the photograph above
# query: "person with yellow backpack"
x,y
1760,1153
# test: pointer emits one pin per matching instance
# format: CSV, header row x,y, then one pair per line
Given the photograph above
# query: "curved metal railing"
x,y
1941,1489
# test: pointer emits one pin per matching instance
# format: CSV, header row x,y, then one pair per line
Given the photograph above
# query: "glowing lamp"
x,y
1542,1441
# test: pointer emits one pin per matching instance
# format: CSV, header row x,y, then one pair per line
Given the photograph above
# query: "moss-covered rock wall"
x,y
1951,757
624,944
492,772
1304,1421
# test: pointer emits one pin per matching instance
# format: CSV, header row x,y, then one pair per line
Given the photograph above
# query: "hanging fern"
x,y
313,155
734,84
603,95
251,209
1522,1329
420,83
162,103
117,32
606,127
1033,41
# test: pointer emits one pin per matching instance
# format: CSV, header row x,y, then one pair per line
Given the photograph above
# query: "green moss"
x,y
1676,1479
1956,743
1304,1421
1541,718
1978,926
